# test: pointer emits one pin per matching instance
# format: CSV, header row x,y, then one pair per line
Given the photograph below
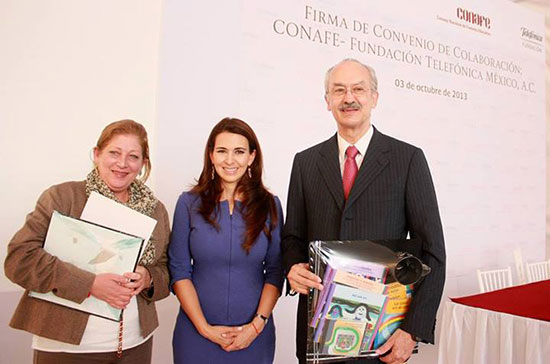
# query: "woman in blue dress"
x,y
225,258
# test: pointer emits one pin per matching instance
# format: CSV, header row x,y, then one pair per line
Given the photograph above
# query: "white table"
x,y
479,336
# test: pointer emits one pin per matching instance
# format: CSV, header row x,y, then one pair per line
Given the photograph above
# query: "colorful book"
x,y
363,275
326,306
358,281
327,279
399,298
343,337
375,271
353,305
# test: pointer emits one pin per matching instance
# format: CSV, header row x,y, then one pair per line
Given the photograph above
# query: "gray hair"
x,y
373,79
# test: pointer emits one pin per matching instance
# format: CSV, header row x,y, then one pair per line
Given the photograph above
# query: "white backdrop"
x,y
471,95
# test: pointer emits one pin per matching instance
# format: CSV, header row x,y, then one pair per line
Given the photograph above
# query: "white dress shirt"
x,y
361,145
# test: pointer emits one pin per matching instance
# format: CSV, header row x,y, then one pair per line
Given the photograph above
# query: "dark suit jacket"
x,y
393,195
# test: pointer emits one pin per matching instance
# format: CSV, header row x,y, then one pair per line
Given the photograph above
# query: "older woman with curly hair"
x,y
65,335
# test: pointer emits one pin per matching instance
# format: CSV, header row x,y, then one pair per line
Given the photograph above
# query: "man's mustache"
x,y
350,105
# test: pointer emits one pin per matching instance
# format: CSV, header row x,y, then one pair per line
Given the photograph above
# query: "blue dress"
x,y
228,282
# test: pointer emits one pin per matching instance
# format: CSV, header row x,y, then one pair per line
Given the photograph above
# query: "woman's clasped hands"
x,y
117,290
232,338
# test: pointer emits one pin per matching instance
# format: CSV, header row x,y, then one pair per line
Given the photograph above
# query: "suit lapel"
x,y
329,166
375,160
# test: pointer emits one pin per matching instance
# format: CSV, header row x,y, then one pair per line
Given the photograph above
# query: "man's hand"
x,y
398,348
301,279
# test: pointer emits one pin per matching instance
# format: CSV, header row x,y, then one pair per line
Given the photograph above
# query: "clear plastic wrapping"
x,y
367,289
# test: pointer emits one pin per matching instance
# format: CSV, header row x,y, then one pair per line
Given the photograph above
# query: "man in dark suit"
x,y
362,184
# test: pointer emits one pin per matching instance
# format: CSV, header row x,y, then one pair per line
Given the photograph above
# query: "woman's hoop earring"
x,y
213,175
249,172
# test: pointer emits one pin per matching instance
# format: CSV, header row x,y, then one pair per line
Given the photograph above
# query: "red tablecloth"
x,y
528,300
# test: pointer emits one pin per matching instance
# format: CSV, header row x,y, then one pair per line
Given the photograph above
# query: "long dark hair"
x,y
257,202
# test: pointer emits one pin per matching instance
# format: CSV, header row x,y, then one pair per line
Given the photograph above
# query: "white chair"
x,y
520,270
491,280
538,271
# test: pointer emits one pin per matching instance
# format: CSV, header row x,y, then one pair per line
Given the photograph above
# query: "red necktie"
x,y
350,169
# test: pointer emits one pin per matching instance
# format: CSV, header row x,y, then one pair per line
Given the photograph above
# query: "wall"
x,y
543,7
67,69
486,151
